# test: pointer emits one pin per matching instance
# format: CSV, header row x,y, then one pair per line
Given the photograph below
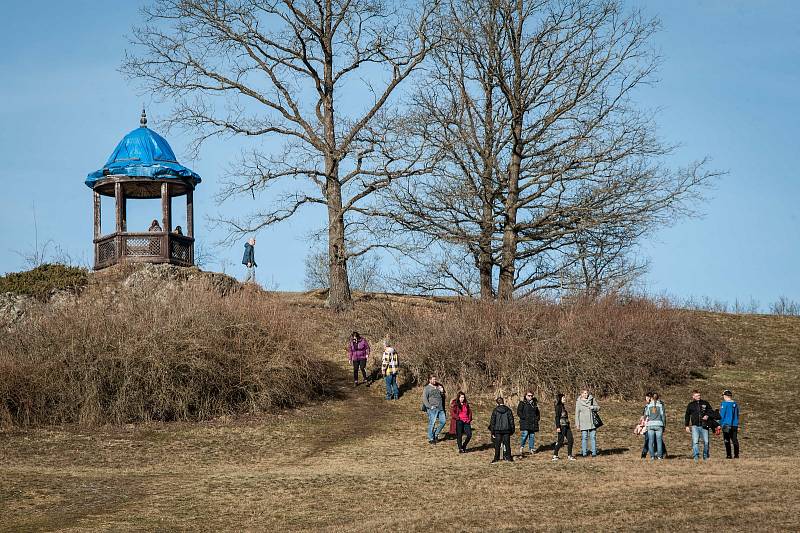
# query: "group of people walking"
x,y
701,419
502,424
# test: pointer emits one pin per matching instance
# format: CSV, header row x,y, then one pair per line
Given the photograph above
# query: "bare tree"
x,y
363,271
577,173
452,212
282,69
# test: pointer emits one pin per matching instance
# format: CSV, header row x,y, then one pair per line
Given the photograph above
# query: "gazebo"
x,y
143,166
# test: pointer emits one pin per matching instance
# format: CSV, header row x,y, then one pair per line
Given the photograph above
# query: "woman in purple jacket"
x,y
358,353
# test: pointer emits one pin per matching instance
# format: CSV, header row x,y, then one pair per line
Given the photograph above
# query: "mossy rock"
x,y
44,280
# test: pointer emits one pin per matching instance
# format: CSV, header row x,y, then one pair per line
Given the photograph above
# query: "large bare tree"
x,y
458,116
283,69
578,172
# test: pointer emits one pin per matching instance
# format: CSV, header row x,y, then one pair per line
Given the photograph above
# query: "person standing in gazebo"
x,y
249,260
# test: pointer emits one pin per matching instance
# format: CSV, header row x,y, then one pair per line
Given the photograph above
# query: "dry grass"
x,y
620,346
156,352
361,464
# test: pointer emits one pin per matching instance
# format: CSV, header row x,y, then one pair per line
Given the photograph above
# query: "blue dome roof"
x,y
144,153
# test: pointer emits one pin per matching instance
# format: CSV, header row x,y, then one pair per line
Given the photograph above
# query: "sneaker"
x,y
461,450
494,461
571,458
431,442
521,451
555,458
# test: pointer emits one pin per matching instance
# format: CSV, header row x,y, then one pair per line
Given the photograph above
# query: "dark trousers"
x,y
731,436
502,439
362,364
463,429
564,435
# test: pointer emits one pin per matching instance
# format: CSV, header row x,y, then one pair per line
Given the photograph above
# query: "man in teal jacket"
x,y
249,260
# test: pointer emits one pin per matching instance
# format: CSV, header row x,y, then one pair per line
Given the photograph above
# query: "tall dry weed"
x,y
614,345
155,353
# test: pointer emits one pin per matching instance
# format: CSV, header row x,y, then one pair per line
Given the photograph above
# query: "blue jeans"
x,y
530,436
392,391
697,432
433,416
592,435
655,442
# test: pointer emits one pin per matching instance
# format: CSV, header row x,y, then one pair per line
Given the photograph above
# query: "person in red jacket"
x,y
358,353
461,413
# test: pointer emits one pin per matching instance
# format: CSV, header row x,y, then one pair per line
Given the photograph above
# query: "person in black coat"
x,y
502,427
563,428
700,418
528,414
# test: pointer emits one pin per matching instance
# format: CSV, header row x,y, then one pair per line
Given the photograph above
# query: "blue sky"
x,y
728,90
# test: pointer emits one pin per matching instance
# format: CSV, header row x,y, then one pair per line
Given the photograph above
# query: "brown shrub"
x,y
614,345
159,352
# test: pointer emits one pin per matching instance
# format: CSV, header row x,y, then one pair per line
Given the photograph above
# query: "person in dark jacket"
x,y
699,418
249,260
528,414
562,428
729,420
502,427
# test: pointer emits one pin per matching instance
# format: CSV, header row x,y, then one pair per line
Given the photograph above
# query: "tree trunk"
x,y
339,296
505,286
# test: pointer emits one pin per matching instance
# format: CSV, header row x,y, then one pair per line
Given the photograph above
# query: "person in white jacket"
x,y
585,405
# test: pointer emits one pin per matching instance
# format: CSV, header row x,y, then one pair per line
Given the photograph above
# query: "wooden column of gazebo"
x,y
143,166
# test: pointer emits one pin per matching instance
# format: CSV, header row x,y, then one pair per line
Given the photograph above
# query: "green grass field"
x,y
359,463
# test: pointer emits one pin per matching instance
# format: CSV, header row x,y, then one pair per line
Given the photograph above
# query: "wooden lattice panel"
x,y
180,251
107,252
143,246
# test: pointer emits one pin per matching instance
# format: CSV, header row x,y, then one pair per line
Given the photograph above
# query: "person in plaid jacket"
x,y
389,369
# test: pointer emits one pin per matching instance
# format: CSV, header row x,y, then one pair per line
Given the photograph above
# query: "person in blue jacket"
x,y
249,260
729,420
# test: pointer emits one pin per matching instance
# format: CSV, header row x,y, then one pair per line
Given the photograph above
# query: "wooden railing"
x,y
145,247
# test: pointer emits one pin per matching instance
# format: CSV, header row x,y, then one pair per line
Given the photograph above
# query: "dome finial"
x,y
143,120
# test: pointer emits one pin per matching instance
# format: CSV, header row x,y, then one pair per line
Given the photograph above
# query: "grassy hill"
x,y
354,462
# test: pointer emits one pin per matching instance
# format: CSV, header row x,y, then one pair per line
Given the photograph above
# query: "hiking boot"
x,y
431,442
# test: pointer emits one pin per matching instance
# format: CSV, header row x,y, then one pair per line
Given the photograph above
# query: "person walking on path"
x,y
562,428
389,369
656,420
648,396
453,430
528,414
729,420
585,408
698,418
433,404
463,418
501,425
358,353
249,260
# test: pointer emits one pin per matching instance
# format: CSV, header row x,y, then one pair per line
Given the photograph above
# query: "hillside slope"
x,y
359,463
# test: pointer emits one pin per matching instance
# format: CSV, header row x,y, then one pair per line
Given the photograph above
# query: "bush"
x,y
155,353
43,280
620,346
